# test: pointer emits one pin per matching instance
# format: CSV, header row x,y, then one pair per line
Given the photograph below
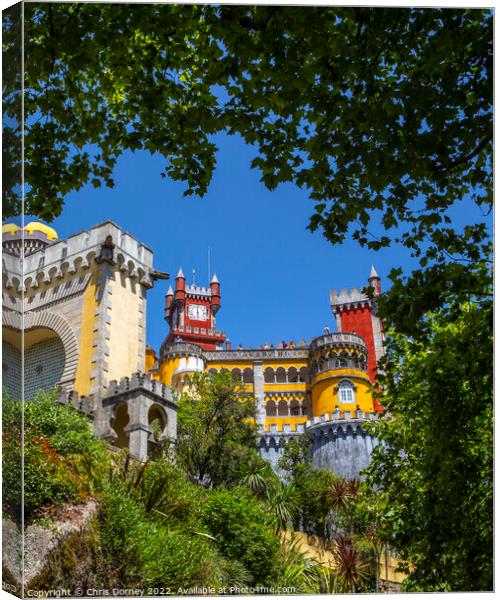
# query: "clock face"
x,y
198,312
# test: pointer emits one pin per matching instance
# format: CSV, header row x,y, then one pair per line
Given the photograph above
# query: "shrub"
x,y
53,435
68,431
141,549
244,529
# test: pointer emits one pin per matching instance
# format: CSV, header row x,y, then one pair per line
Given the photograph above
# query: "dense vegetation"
x,y
435,472
56,443
163,524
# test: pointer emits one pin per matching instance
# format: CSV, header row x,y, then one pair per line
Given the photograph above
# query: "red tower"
x,y
355,312
190,312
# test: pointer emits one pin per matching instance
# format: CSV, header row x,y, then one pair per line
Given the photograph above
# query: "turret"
x,y
180,286
168,302
215,289
374,281
190,311
356,312
33,237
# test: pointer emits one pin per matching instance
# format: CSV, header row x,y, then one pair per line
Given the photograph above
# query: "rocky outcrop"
x,y
57,556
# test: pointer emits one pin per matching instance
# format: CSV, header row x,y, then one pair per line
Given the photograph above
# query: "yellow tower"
x,y
338,374
178,361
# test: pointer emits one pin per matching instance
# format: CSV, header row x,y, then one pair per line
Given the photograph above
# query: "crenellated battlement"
x,y
331,340
345,299
198,291
341,417
180,349
138,381
66,256
83,404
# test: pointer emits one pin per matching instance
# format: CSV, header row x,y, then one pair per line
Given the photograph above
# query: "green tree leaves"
x,y
359,105
383,115
434,468
216,438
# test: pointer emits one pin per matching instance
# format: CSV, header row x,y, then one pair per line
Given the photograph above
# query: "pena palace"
x,y
81,303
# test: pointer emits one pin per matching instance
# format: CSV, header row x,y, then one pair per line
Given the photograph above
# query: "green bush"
x,y
68,431
55,438
244,529
164,490
141,549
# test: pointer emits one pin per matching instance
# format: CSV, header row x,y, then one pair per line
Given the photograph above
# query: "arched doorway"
x,y
157,421
120,421
44,361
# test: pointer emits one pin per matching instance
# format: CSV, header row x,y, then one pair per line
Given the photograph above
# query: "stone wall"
x,y
340,443
344,450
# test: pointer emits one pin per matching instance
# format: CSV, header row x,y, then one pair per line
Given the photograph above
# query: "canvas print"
x,y
247,299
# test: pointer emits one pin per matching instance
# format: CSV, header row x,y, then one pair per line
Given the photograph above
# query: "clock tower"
x,y
190,313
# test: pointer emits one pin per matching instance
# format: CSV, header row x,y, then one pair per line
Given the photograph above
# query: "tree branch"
x,y
465,158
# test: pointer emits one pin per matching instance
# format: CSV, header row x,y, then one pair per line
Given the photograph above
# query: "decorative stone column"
x,y
258,390
138,428
171,429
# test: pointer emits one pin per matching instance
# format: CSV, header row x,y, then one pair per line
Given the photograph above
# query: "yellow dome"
x,y
11,228
37,226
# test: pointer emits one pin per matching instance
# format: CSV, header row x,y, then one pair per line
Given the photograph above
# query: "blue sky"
x,y
275,274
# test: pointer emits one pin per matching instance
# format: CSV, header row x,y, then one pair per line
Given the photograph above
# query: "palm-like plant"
x,y
353,487
283,500
339,495
350,567
298,569
342,495
329,580
258,482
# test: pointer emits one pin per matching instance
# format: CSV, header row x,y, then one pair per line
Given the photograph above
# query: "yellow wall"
x,y
124,329
167,369
150,360
231,365
284,387
280,421
324,395
86,351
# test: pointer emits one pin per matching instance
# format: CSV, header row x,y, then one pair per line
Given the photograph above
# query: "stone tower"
x,y
356,312
190,312
77,307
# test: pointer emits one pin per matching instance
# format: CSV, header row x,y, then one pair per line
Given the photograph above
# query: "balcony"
x,y
337,339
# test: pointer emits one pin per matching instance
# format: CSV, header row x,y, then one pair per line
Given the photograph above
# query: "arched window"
x,y
271,409
283,408
345,393
43,363
213,371
248,375
293,375
121,419
269,375
157,421
236,375
303,374
280,375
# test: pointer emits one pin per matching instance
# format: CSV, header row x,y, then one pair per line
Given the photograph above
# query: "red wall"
x,y
359,320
